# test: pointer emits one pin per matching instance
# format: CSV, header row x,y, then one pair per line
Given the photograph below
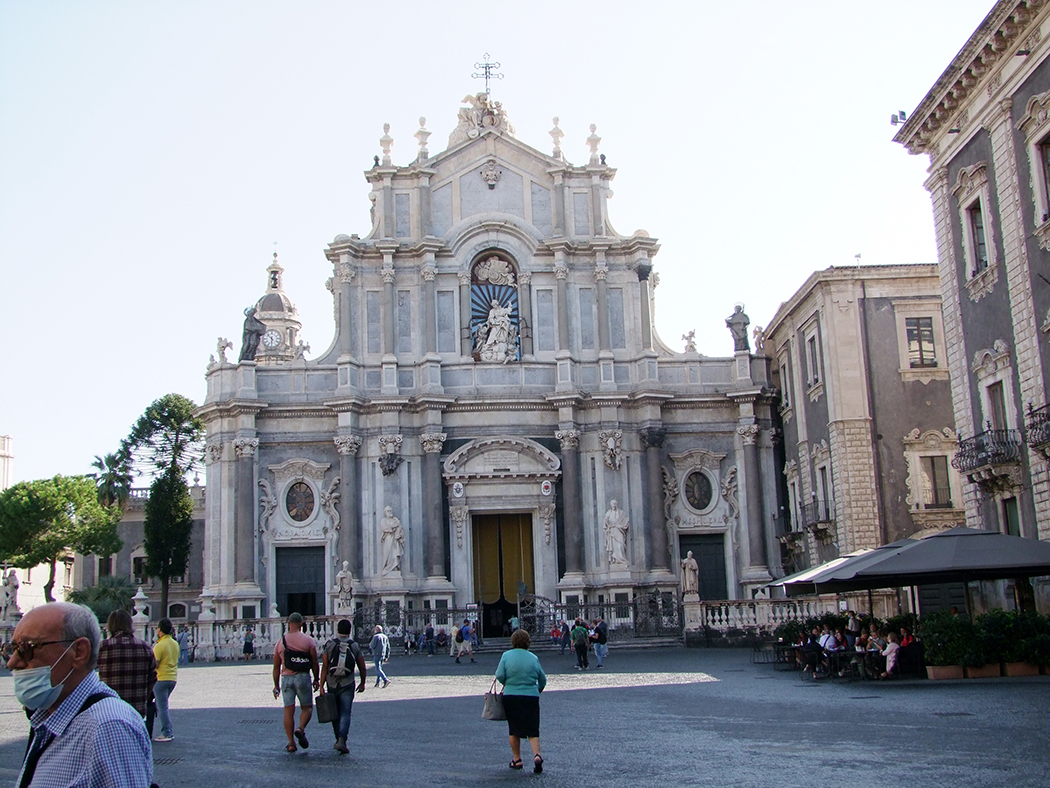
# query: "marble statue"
x,y
344,585
616,522
690,574
221,346
392,542
759,334
497,338
737,324
690,341
9,597
254,328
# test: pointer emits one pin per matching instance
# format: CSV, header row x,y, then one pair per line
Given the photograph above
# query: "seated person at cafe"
x,y
890,653
811,655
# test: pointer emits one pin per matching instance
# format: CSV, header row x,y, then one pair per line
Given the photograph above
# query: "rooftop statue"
x,y
480,113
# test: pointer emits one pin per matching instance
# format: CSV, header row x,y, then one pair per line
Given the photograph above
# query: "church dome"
x,y
275,302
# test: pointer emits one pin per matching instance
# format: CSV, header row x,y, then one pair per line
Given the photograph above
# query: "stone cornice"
x,y
233,407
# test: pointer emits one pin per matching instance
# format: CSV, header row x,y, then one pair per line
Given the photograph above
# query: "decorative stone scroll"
x,y
749,433
670,491
214,452
390,453
347,444
729,490
547,513
432,441
330,501
458,515
612,441
267,505
245,447
569,439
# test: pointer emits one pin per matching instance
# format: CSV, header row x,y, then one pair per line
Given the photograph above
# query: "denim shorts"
x,y
299,686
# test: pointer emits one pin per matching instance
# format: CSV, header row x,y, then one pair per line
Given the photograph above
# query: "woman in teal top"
x,y
523,680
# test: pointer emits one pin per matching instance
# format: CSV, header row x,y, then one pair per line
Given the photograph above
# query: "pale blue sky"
x,y
151,153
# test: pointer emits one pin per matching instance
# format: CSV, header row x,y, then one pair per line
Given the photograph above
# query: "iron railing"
x,y
818,511
991,447
1037,425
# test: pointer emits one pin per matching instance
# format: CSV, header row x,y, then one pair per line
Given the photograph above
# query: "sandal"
x,y
291,748
300,736
517,764
537,764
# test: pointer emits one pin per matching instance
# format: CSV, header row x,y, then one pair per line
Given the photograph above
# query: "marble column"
x,y
390,304
561,273
572,527
244,520
346,277
432,514
600,272
525,307
643,294
653,440
349,526
753,491
429,306
466,342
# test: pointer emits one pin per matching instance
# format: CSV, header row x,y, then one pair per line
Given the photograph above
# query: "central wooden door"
x,y
503,568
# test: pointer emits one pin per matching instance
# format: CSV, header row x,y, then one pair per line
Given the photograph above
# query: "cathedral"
x,y
496,415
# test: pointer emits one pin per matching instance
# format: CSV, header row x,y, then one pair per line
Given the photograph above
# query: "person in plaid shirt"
x,y
127,664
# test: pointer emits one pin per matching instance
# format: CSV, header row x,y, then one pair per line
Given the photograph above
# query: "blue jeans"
x,y
345,700
162,691
600,650
380,675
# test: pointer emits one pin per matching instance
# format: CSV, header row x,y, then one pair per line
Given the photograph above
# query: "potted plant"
x,y
946,641
976,665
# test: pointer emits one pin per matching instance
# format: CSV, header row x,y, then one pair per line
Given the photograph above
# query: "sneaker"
x,y
386,684
163,738
474,661
578,668
458,662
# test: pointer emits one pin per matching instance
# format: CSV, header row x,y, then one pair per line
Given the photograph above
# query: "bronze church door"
x,y
300,580
502,567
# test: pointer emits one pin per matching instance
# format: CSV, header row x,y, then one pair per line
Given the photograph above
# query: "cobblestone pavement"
x,y
652,717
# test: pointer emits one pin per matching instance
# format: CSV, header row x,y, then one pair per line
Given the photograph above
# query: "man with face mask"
x,y
82,732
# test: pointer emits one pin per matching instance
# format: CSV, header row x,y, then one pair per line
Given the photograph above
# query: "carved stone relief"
x,y
611,441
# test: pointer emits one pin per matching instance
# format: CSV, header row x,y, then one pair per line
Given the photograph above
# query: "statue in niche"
x,y
497,338
392,542
690,574
254,328
344,585
616,523
737,324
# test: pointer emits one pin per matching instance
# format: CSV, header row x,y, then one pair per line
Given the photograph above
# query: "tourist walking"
x,y
601,640
183,639
464,639
523,679
128,666
580,642
566,636
294,659
91,736
166,650
380,648
454,641
338,658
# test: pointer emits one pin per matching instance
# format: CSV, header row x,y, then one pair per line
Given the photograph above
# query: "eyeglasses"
x,y
25,648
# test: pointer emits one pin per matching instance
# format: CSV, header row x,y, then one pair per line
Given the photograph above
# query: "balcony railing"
x,y
1037,426
818,512
992,447
938,498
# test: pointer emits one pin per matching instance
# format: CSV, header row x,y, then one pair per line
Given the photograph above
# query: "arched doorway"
x,y
503,567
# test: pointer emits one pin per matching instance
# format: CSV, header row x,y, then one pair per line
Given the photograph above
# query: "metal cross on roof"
x,y
488,71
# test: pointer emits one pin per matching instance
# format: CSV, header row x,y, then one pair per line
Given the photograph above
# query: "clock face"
x,y
271,339
300,501
698,491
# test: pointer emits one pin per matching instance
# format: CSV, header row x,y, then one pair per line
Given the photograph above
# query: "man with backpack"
x,y
580,642
464,638
338,658
294,658
601,639
380,648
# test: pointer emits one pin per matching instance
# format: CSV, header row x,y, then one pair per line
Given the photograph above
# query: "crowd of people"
x,y
866,652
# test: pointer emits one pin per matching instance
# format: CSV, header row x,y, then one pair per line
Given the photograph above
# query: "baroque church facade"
x,y
496,415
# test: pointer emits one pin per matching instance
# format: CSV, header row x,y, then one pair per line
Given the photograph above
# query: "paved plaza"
x,y
652,717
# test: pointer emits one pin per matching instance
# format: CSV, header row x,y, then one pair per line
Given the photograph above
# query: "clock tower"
x,y
281,342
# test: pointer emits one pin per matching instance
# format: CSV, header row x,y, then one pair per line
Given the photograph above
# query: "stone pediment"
x,y
495,458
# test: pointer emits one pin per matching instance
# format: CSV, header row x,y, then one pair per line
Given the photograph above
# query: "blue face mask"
x,y
33,685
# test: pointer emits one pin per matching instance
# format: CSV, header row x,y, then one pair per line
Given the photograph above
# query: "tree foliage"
x,y
40,521
114,477
109,594
169,437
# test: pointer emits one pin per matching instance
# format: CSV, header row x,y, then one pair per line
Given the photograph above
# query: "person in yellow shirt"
x,y
167,653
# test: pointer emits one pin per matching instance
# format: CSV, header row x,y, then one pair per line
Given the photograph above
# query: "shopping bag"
x,y
493,705
327,707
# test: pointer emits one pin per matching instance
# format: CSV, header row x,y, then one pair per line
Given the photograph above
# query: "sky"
x,y
152,154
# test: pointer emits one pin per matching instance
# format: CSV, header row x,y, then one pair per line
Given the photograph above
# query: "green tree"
x,y
41,521
114,477
170,438
109,594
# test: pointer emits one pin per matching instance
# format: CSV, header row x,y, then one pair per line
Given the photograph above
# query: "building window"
x,y
936,487
997,406
980,250
138,570
1011,517
1034,125
177,611
813,357
105,566
1044,170
921,351
824,491
785,381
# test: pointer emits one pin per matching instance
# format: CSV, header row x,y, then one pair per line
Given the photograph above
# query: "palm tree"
x,y
114,477
109,594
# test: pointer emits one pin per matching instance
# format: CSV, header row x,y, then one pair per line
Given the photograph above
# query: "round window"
x,y
300,501
698,492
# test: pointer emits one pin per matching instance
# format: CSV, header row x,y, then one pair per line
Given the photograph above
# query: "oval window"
x,y
300,501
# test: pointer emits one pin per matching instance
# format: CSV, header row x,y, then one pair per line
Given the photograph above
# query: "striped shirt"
x,y
105,747
127,665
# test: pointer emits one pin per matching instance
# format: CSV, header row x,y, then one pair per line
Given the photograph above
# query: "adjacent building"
x,y
860,359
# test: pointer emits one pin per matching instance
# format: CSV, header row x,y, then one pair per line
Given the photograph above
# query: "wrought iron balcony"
x,y
1037,425
818,512
988,449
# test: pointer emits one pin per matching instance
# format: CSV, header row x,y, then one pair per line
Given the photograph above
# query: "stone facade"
x,y
859,356
984,127
495,382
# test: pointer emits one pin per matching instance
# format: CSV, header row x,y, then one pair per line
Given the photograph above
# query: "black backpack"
x,y
296,661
